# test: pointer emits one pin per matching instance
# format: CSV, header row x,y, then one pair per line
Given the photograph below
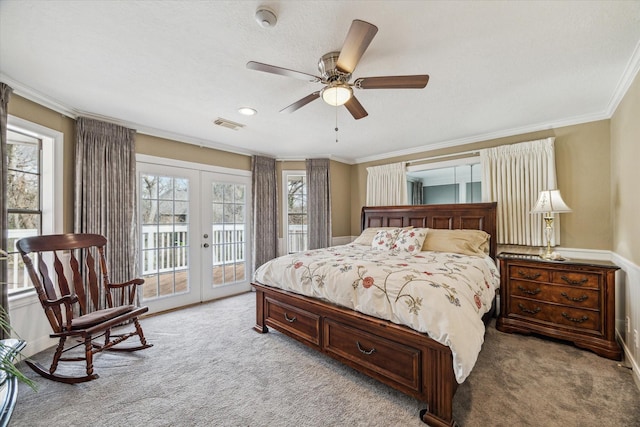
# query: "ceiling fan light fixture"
x,y
337,94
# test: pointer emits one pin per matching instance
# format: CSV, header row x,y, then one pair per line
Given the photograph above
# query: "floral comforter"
x,y
441,294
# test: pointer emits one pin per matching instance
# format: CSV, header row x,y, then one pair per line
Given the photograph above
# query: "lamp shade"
x,y
550,201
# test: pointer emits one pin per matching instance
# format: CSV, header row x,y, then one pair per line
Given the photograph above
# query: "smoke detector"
x,y
266,17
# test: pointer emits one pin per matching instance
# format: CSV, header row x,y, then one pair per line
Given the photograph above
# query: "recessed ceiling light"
x,y
247,111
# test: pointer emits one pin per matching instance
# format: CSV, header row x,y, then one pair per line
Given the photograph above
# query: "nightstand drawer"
x,y
527,273
576,278
557,314
574,297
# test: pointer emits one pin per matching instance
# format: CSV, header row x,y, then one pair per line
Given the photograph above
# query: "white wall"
x,y
30,324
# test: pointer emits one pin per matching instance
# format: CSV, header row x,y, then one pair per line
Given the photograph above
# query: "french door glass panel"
x,y
168,215
226,225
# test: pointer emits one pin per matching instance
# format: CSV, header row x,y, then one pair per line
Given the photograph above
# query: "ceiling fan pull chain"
x,y
336,125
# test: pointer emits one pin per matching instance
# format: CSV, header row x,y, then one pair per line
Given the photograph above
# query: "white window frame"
x,y
285,206
51,190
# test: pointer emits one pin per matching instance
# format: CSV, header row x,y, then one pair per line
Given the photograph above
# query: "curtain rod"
x,y
462,153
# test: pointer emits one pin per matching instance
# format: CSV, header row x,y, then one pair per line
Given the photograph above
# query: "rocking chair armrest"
x,y
136,282
67,300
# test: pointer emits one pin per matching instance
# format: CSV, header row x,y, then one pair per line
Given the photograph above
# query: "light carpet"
x,y
208,367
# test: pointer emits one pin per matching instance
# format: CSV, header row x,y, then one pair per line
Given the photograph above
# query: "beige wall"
x,y
166,148
625,179
582,166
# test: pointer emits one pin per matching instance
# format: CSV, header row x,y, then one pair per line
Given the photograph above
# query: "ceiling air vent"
x,y
227,123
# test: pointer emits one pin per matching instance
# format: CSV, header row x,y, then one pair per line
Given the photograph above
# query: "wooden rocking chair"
x,y
68,304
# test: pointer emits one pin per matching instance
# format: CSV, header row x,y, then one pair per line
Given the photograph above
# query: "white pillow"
x,y
367,235
410,240
384,240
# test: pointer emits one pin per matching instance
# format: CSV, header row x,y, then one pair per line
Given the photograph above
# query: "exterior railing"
x,y
164,248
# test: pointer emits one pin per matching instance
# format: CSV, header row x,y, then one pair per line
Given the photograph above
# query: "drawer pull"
x,y
528,276
573,319
574,282
527,291
579,299
293,319
526,310
363,351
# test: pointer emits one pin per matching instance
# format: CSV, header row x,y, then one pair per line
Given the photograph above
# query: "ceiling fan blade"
x,y
301,103
393,82
259,66
358,38
355,108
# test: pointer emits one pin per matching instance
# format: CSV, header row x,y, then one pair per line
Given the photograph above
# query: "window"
x,y
295,211
455,181
34,191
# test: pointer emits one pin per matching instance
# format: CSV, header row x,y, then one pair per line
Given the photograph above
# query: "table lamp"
x,y
549,202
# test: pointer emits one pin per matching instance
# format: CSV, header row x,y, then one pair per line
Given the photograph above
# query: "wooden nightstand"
x,y
573,300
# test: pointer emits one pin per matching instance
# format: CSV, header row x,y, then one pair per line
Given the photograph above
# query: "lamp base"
x,y
551,256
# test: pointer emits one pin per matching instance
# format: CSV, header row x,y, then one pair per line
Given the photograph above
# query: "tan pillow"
x,y
367,235
465,242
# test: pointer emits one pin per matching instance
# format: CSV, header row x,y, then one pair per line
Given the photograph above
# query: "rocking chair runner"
x,y
62,302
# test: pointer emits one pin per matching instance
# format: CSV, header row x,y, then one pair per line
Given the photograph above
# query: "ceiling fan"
x,y
336,69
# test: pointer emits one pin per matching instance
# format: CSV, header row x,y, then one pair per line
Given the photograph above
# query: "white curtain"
x,y
513,176
387,185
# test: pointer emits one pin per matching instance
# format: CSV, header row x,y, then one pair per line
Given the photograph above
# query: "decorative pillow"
x,y
384,240
410,240
367,235
465,242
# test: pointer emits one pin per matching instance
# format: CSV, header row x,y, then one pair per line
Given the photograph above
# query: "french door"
x,y
194,233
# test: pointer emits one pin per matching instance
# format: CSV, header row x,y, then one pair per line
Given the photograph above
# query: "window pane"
x,y
218,193
148,187
239,193
148,212
165,188
181,188
24,224
24,190
22,152
217,213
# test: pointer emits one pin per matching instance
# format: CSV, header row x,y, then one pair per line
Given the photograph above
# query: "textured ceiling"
x,y
170,68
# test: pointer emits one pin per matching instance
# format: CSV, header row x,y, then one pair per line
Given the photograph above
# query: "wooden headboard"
x,y
475,216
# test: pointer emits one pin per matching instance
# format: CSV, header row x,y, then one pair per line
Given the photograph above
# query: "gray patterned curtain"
x,y
105,192
5,94
264,193
318,203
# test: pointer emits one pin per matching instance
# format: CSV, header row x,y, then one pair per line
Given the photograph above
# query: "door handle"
x,y
206,245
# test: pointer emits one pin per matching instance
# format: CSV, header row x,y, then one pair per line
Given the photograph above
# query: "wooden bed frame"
x,y
396,355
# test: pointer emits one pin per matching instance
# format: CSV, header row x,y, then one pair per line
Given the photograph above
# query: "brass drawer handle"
x,y
293,319
579,299
367,352
527,291
526,310
573,319
574,282
528,276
